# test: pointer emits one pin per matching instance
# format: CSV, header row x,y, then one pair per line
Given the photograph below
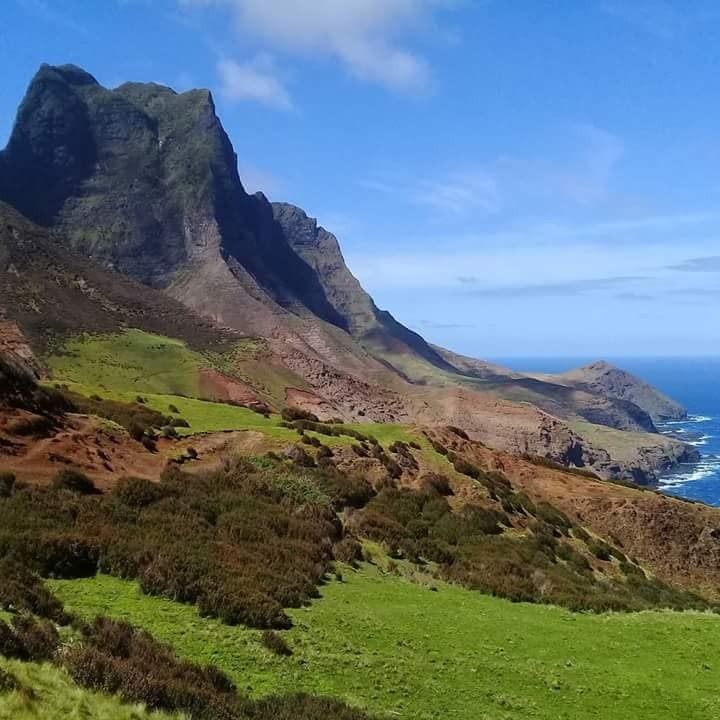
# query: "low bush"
x,y
275,643
22,591
242,542
74,481
290,414
435,483
29,640
8,682
600,550
471,548
7,484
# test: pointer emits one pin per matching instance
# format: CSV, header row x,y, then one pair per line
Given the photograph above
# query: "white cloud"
x,y
542,257
255,80
361,34
580,171
454,193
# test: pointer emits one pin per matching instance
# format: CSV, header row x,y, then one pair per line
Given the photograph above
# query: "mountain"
x,y
141,182
603,378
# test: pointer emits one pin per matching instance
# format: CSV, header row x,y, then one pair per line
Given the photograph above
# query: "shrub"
x,y
149,443
38,426
23,591
289,414
600,550
275,643
140,399
74,481
28,639
7,484
169,432
173,409
581,534
136,431
301,458
552,516
435,483
117,658
137,492
349,551
179,423
324,452
464,467
8,682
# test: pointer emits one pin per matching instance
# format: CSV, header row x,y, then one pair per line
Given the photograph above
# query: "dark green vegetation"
x,y
18,389
401,644
243,543
476,547
114,657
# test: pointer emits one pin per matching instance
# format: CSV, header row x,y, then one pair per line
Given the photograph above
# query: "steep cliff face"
x,y
145,180
321,251
608,380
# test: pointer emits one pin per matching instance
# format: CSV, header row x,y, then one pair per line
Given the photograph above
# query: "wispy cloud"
x,y
256,80
635,297
709,264
361,34
562,289
455,193
584,178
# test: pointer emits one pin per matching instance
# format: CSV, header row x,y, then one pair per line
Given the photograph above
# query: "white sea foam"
x,y
700,441
708,468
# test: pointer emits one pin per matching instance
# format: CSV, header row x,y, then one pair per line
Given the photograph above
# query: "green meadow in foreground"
x,y
411,650
55,696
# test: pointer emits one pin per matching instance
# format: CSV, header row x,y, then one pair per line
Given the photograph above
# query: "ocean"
x,y
693,382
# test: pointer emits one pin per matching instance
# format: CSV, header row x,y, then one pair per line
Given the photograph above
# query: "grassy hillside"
x,y
55,696
404,649
130,360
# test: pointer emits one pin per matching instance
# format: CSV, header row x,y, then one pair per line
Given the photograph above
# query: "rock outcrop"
x,y
606,379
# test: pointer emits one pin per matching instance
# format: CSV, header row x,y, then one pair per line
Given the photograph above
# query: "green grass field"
x,y
131,360
56,697
400,649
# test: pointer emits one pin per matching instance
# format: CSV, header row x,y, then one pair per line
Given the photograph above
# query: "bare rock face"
x,y
605,379
321,251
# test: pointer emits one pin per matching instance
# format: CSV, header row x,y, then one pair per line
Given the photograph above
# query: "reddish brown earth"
x,y
15,346
103,451
223,388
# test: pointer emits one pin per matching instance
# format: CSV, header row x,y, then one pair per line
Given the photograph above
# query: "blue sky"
x,y
508,177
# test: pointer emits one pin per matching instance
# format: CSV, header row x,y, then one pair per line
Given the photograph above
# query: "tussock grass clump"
x,y
275,643
74,481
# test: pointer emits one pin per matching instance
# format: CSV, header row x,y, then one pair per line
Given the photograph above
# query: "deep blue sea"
x,y
694,382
